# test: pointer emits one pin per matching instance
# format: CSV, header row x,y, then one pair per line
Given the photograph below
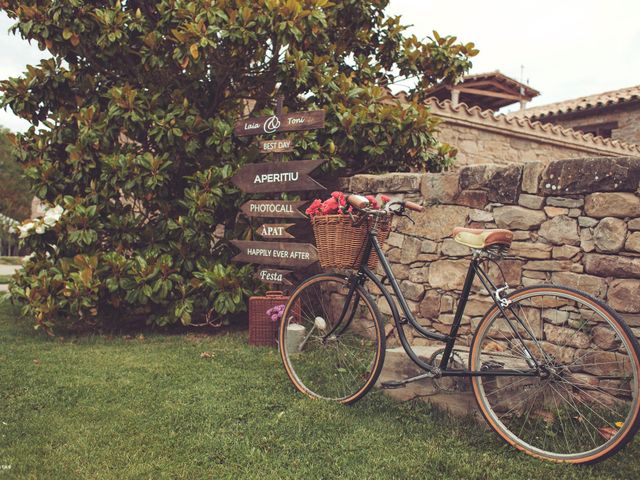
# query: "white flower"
x,y
25,229
40,228
52,215
26,258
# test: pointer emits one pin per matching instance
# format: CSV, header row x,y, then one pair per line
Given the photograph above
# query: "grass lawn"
x,y
153,407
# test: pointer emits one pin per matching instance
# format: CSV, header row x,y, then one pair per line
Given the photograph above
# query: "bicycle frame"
x,y
449,340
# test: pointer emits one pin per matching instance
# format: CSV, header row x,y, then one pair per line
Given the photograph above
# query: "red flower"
x,y
372,201
329,207
385,199
314,207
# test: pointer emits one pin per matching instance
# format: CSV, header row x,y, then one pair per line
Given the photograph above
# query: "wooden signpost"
x,y
288,122
274,177
272,275
275,230
279,254
277,145
273,208
277,177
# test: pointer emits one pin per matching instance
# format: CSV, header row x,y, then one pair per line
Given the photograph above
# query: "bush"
x,y
138,103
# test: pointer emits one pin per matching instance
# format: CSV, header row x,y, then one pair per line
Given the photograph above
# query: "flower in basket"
x,y
337,204
275,313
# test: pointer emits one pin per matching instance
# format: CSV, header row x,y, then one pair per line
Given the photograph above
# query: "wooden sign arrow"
x,y
273,208
281,254
271,275
277,145
274,177
275,230
288,122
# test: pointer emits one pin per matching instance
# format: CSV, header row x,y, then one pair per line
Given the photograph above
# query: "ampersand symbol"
x,y
271,124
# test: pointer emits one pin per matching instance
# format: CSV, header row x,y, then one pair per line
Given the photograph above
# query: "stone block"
x,y
616,204
478,305
624,295
566,202
435,222
440,187
428,246
548,265
519,218
419,275
410,250
472,198
633,242
480,216
609,235
594,285
603,174
587,222
395,239
565,252
530,201
396,182
586,240
531,250
555,211
448,274
501,182
612,265
412,291
634,224
430,305
560,230
451,248
531,176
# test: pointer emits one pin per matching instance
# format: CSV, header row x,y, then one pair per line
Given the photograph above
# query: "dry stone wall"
x,y
576,222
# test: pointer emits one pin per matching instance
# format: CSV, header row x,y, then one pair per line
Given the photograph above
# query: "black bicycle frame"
x,y
449,340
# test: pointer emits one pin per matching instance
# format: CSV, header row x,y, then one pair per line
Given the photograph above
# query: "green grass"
x,y
10,260
97,407
5,279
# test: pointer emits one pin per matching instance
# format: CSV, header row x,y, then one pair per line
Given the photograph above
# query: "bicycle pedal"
x,y
392,384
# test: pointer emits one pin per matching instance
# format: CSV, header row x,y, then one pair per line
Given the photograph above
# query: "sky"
x,y
563,48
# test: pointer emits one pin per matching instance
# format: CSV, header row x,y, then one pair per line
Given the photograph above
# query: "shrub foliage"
x,y
132,135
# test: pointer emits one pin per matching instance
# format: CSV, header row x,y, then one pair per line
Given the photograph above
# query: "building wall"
x,y
477,146
628,118
575,222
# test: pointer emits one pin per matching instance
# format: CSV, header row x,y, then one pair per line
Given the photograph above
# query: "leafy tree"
x,y
15,197
138,103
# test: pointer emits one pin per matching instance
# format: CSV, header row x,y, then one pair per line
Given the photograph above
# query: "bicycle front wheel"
x,y
331,339
582,405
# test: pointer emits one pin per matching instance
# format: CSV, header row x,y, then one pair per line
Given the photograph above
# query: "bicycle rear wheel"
x,y
583,406
331,342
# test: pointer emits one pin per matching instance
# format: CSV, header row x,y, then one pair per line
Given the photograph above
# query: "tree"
x,y
15,195
138,103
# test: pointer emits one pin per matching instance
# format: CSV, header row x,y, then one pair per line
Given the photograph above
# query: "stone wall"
x,y
575,223
486,137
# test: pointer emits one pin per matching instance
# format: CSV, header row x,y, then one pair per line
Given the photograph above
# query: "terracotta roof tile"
x,y
581,103
532,128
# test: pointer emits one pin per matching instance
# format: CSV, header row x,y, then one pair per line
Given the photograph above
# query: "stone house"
x,y
571,129
614,114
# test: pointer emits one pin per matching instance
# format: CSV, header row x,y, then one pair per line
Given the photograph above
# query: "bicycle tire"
x,y
585,399
366,335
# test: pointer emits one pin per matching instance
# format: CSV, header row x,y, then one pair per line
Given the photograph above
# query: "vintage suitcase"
x,y
263,331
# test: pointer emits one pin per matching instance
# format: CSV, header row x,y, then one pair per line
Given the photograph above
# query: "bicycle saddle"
x,y
479,238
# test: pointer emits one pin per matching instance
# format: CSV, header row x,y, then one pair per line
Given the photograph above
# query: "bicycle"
x,y
553,370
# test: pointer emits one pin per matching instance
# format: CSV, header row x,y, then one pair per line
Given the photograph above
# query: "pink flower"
x,y
372,201
314,207
330,206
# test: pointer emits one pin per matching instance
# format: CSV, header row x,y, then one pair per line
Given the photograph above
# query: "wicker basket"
x,y
341,245
262,330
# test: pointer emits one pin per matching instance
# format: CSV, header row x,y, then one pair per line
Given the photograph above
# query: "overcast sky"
x,y
568,48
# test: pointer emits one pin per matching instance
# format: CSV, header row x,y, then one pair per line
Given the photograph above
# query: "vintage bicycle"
x,y
554,371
